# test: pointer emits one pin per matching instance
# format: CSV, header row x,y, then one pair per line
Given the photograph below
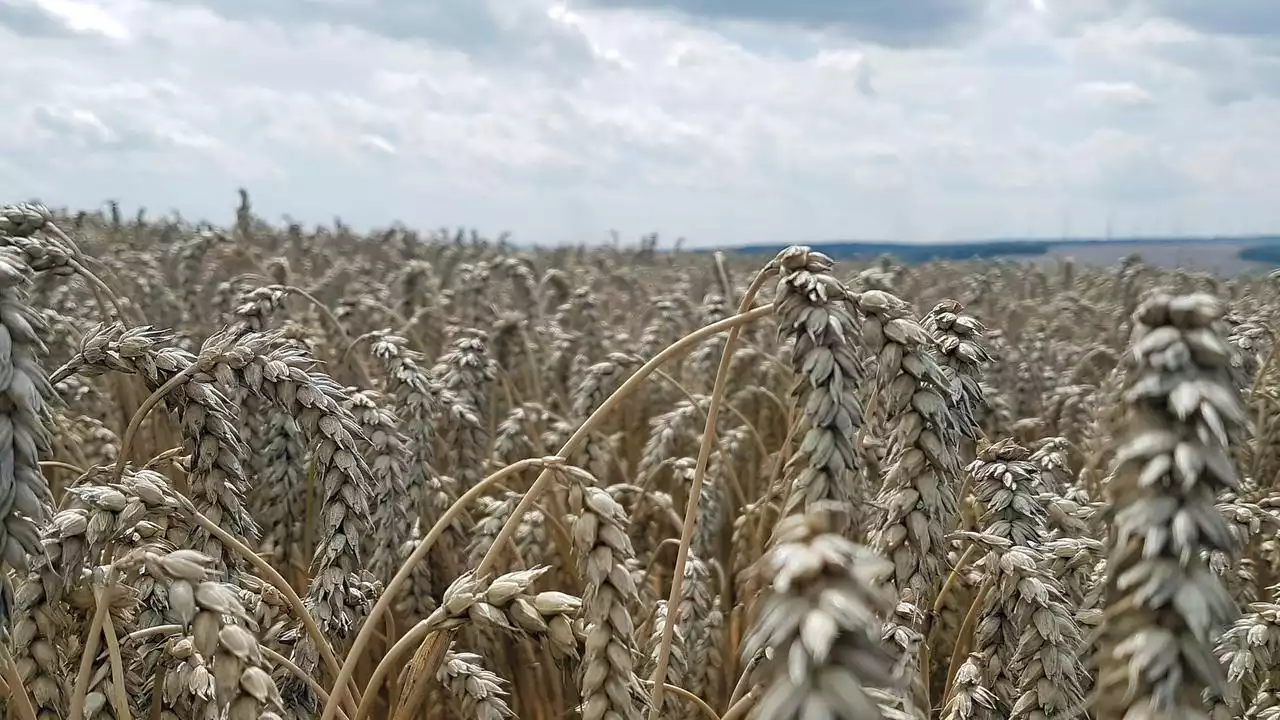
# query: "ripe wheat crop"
x,y
272,473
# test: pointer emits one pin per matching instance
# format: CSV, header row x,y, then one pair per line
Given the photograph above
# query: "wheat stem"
x,y
695,494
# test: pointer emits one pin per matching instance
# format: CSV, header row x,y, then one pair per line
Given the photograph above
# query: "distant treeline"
x,y
1267,249
1269,254
914,252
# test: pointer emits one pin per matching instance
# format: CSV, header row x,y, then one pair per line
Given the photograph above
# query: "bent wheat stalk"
x,y
431,653
695,490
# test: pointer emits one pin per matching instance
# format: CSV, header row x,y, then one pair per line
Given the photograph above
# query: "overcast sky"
x,y
724,121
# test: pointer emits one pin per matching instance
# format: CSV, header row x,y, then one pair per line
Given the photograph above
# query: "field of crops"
x,y
269,473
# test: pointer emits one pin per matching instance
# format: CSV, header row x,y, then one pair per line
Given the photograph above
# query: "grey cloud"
x,y
1246,18
1234,46
451,22
495,29
1231,73
83,133
1228,17
31,22
887,22
71,133
1141,179
1243,18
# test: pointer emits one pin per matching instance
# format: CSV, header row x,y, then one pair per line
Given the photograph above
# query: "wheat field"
x,y
264,472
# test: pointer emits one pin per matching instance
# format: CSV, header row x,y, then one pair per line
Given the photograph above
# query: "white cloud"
x,y
1118,94
378,144
559,122
85,17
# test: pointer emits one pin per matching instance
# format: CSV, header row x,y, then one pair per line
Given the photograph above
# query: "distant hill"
x,y
1220,255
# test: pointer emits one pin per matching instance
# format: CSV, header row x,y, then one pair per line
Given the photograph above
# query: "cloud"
x,y
498,30
1233,17
61,18
1249,18
1115,94
890,22
29,20
1225,68
560,122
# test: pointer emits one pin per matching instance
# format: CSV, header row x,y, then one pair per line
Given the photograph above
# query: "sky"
x,y
720,121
